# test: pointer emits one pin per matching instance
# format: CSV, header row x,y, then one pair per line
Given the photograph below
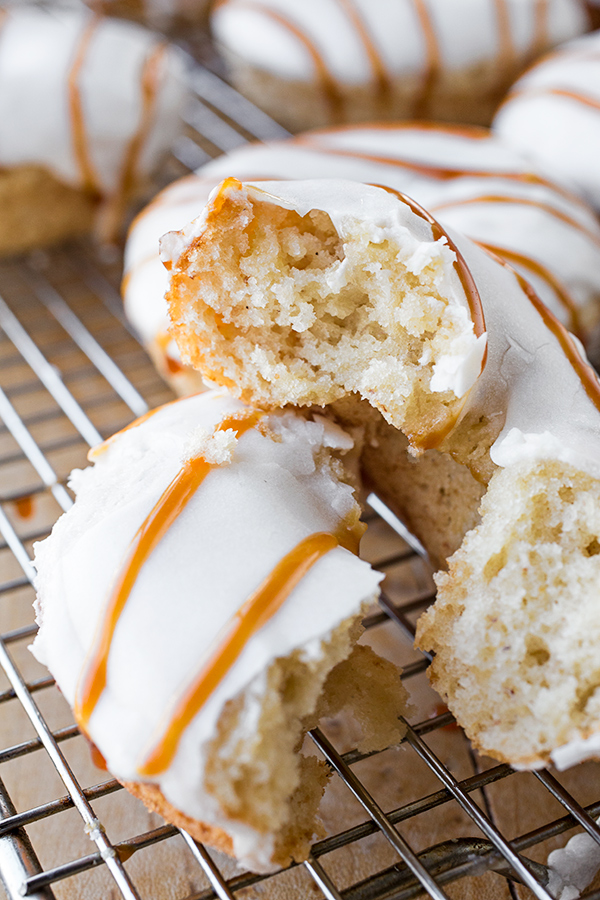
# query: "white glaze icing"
x,y
39,54
243,519
571,868
527,371
503,202
559,130
466,32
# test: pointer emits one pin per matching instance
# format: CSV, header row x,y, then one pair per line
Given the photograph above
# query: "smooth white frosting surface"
x,y
466,177
549,413
553,115
129,86
246,515
278,35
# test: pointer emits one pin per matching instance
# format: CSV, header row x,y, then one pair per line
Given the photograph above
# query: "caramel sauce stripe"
x,y
437,172
506,49
579,98
381,75
80,140
149,88
583,370
541,35
329,86
523,201
433,60
229,644
527,262
171,504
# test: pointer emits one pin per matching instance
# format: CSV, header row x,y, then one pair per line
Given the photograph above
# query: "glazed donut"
x,y
198,608
346,296
465,175
325,62
552,115
89,107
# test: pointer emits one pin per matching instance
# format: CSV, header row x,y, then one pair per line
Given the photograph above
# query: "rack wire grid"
x,y
430,817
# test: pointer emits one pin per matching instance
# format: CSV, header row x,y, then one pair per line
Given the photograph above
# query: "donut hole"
x,y
316,318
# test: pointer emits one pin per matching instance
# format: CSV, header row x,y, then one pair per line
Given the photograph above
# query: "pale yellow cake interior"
x,y
516,626
273,305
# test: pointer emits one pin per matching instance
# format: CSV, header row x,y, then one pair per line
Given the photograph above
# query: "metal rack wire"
x,y
71,373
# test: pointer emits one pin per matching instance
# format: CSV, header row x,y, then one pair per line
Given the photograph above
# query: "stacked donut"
x,y
322,62
89,108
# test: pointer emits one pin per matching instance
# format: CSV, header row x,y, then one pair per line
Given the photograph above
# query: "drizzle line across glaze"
x,y
229,644
581,99
330,89
170,505
81,148
381,76
527,262
585,373
149,87
433,61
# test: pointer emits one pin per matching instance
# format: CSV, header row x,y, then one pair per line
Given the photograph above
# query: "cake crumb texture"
x,y
516,626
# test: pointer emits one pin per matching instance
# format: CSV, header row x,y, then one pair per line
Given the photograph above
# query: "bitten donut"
x,y
465,175
552,114
324,62
199,606
89,106
351,297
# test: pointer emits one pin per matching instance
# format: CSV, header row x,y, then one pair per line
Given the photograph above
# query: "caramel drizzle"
x,y
523,201
258,609
376,61
506,47
81,147
460,265
432,61
330,89
583,370
477,132
431,170
170,505
562,295
582,99
540,28
149,88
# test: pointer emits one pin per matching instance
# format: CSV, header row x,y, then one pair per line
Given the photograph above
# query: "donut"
x,y
326,62
465,175
89,108
199,607
552,114
351,297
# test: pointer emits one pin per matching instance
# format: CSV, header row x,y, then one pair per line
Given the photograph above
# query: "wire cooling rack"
x,y
428,818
